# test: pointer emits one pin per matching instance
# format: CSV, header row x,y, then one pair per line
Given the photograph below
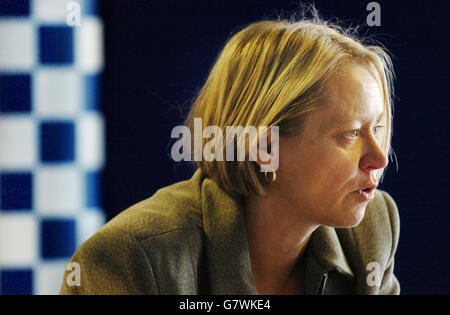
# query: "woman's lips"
x,y
366,194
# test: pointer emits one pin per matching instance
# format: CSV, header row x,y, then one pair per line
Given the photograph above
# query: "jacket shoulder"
x,y
375,238
377,234
172,208
381,223
107,263
370,246
132,248
392,211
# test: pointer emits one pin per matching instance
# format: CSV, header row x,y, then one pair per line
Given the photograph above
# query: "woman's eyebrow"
x,y
380,117
340,122
346,121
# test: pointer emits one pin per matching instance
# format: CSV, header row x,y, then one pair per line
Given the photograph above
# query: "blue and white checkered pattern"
x,y
51,140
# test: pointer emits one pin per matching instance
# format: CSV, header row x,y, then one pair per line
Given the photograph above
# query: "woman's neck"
x,y
276,242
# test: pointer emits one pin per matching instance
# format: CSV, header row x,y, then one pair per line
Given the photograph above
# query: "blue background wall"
x,y
158,53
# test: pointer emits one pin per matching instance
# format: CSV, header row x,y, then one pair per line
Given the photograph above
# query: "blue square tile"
x,y
15,93
58,239
16,281
57,141
93,190
56,45
14,7
92,92
16,191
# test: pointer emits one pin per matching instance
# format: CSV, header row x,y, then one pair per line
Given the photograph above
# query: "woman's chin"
x,y
351,217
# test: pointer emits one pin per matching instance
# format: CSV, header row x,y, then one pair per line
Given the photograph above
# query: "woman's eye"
x,y
353,133
356,132
378,128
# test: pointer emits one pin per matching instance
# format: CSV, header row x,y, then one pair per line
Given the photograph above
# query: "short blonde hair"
x,y
272,73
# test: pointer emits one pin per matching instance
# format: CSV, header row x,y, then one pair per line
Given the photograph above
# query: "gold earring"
x,y
274,176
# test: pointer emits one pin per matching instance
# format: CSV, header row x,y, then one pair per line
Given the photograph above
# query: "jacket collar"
x,y
227,253
326,248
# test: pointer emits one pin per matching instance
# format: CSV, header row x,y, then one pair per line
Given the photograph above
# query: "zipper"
x,y
323,283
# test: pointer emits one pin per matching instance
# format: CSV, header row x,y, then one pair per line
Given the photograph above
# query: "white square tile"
x,y
88,222
89,45
58,190
51,10
18,239
90,141
17,142
57,93
49,278
17,45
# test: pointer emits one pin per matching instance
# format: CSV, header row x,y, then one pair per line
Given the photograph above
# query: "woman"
x,y
313,225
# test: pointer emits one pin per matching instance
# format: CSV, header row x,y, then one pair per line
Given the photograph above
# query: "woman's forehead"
x,y
354,85
354,93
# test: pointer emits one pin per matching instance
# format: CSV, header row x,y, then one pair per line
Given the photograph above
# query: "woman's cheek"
x,y
339,168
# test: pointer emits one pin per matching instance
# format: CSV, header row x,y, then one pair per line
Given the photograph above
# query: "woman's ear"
x,y
267,141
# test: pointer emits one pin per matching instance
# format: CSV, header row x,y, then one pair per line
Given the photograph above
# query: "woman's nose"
x,y
374,158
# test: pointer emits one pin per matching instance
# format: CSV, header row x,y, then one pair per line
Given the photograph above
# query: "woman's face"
x,y
338,153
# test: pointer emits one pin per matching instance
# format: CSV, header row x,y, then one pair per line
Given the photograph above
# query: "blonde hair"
x,y
272,73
